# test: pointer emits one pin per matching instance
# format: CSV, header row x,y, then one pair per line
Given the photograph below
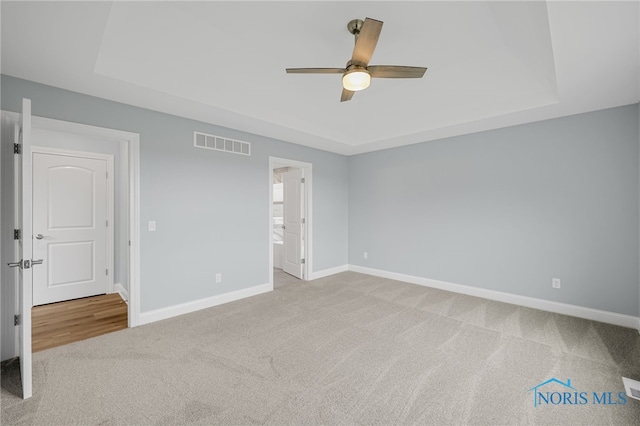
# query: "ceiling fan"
x,y
357,74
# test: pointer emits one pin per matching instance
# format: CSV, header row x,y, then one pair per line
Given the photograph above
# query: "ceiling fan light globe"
x,y
356,80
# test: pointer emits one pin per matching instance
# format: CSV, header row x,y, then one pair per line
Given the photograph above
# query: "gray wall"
x,y
211,207
505,210
509,209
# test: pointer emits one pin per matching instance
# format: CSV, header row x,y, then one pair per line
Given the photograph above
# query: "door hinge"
x,y
106,272
302,180
107,223
302,261
303,220
16,148
16,320
16,234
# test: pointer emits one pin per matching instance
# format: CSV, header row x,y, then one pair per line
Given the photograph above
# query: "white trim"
x,y
132,141
119,288
188,307
307,168
327,272
9,291
110,198
11,115
133,160
529,302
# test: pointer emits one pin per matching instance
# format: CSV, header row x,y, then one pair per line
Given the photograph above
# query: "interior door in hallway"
x,y
69,227
292,218
23,220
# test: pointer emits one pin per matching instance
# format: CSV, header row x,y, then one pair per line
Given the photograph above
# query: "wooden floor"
x,y
60,323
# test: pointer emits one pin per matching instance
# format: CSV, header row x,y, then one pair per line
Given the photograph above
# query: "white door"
x,y
69,227
292,239
22,180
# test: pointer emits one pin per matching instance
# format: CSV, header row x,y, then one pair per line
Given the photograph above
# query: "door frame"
x,y
35,149
307,213
293,177
130,172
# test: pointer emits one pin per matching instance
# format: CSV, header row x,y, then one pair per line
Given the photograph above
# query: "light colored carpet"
x,y
346,349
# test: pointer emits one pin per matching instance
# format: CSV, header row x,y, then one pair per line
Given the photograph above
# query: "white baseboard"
x,y
327,272
529,302
196,305
119,288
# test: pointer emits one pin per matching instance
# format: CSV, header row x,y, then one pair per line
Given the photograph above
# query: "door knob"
x,y
39,237
25,264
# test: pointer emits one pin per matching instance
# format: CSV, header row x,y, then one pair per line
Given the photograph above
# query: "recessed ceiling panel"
x,y
490,64
484,59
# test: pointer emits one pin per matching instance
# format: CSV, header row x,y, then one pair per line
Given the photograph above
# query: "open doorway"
x,y
73,140
290,197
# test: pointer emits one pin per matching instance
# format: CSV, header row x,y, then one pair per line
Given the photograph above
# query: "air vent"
x,y
218,143
632,387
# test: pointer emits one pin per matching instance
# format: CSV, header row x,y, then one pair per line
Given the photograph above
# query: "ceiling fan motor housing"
x,y
351,64
356,77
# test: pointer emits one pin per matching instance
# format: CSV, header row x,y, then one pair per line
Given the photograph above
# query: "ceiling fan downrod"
x,y
354,26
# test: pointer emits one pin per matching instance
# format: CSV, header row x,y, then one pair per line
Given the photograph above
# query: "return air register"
x,y
218,143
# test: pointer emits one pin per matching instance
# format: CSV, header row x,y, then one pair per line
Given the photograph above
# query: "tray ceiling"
x,y
491,64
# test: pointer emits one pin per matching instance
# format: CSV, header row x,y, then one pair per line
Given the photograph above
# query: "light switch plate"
x,y
152,225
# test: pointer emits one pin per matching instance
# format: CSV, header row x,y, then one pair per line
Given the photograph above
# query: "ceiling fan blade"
x,y
366,41
346,95
395,71
316,70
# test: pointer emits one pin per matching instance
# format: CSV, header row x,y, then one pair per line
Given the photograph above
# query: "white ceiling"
x,y
491,64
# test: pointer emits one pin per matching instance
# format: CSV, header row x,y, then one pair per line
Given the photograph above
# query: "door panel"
x,y
292,239
23,214
70,227
70,263
71,196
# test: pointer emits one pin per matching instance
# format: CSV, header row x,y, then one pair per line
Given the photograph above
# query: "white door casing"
x,y
10,250
292,239
23,216
307,212
129,171
71,216
15,295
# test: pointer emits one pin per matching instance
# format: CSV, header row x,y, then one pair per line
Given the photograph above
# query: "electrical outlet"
x,y
555,282
366,255
218,278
